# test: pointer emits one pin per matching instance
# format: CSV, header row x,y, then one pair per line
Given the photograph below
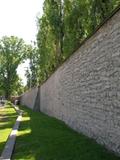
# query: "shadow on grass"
x,y
8,124
46,138
7,120
11,114
2,144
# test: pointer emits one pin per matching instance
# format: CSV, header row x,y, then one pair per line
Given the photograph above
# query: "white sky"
x,y
18,18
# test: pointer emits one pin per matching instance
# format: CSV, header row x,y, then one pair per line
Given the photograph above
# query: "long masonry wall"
x,y
28,99
85,91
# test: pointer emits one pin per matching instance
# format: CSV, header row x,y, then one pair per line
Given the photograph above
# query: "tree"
x,y
18,87
75,24
12,52
53,9
32,74
64,26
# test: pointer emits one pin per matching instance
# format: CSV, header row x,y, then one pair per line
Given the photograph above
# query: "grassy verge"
x,y
44,138
7,119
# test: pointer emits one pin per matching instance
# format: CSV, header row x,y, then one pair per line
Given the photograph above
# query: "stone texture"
x,y
85,91
29,98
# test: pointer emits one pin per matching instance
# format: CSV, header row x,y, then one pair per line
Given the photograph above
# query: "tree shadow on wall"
x,y
37,101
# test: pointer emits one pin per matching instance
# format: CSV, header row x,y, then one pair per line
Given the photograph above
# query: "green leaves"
x,y
12,53
63,27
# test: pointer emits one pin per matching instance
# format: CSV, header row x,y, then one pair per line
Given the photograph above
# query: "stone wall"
x,y
29,98
85,91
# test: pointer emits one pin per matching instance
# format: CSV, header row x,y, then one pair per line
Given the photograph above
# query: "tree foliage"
x,y
12,52
62,28
31,71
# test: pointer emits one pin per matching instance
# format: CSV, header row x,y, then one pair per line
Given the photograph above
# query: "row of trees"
x,y
61,29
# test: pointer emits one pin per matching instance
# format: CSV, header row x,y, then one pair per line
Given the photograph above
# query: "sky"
x,y
18,18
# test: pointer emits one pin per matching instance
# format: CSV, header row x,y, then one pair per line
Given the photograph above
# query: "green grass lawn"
x,y
7,119
41,137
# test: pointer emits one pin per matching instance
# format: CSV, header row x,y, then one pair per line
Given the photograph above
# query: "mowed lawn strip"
x,y
41,137
8,117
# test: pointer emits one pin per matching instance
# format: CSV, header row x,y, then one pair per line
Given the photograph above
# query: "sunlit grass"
x,y
27,130
4,134
41,137
7,119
